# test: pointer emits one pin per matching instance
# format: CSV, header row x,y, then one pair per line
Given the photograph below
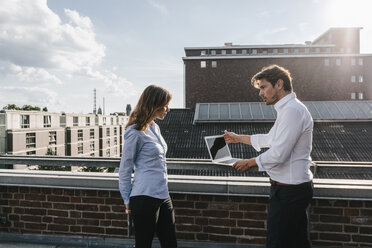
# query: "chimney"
x,y
308,43
228,44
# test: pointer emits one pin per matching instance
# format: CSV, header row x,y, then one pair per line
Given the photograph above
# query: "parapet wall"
x,y
63,203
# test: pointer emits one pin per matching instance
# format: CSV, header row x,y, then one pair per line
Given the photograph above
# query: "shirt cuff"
x,y
258,161
126,201
254,143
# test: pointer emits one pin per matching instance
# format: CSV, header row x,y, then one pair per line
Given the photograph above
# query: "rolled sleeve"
x,y
259,141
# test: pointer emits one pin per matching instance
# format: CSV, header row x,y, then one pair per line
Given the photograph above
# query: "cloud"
x,y
159,7
28,95
32,35
40,50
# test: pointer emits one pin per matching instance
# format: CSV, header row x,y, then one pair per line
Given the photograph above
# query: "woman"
x,y
147,198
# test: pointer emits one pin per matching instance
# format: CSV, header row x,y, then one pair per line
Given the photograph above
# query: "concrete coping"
x,y
211,185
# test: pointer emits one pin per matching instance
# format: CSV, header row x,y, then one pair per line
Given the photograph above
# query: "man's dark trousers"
x,y
288,217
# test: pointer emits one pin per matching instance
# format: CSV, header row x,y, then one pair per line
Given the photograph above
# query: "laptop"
x,y
219,151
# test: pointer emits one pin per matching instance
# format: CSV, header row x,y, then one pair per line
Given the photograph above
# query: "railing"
x,y
334,180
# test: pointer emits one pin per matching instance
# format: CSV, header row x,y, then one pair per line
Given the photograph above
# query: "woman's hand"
x,y
127,209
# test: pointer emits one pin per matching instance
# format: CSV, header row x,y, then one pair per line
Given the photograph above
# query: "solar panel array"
x,y
259,111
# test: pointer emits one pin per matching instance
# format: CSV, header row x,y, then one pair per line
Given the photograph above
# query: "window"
x,y
75,121
91,146
203,64
91,134
31,153
348,50
30,140
52,137
296,50
25,121
286,50
112,121
275,50
341,50
214,64
360,61
360,95
47,121
115,141
213,52
107,131
233,51
326,62
338,62
80,135
108,143
254,51
244,51
353,79
87,121
264,51
108,153
223,52
80,148
328,49
96,121
203,52
317,50
353,95
115,131
360,78
353,62
104,120
307,50
52,151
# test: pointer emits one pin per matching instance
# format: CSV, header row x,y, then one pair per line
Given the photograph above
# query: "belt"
x,y
273,182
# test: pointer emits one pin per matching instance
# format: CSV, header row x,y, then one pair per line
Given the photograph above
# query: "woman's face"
x,y
161,112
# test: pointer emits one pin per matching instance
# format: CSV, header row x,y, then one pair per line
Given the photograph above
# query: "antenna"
x,y
103,105
94,101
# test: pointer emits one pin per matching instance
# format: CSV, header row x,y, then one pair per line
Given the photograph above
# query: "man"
x,y
287,161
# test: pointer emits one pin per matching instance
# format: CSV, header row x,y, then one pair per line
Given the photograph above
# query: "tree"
x,y
29,107
45,109
12,107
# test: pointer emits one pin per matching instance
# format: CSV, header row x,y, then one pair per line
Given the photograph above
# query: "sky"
x,y
54,53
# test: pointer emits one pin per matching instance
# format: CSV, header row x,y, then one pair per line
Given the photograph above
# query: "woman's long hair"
x,y
152,98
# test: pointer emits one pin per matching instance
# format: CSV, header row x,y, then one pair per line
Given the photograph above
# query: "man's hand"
x,y
244,165
231,137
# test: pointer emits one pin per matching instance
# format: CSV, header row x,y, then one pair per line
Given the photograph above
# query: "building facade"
x,y
331,68
44,133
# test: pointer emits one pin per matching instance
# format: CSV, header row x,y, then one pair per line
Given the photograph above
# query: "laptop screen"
x,y
217,147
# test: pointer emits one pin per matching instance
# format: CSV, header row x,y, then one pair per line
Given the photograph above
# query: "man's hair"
x,y
272,74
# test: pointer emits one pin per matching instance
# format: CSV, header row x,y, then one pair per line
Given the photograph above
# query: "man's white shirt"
x,y
290,142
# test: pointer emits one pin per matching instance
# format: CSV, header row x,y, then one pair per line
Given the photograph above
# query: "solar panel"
x,y
259,111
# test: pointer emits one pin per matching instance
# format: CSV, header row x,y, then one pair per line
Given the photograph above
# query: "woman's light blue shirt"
x,y
144,152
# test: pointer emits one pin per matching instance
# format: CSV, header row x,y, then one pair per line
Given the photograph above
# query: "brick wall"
x,y
233,219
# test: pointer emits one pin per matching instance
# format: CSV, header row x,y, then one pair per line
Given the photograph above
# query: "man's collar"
x,y
284,100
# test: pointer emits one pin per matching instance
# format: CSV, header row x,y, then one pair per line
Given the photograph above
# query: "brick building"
x,y
329,68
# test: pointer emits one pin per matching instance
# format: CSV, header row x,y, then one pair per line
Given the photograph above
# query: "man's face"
x,y
268,93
